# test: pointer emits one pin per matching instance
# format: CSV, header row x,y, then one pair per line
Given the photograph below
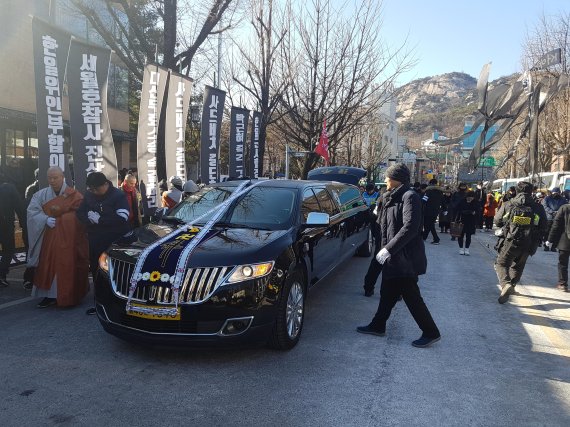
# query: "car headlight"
x,y
103,262
250,271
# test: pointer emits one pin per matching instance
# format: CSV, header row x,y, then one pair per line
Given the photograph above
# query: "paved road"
x,y
495,365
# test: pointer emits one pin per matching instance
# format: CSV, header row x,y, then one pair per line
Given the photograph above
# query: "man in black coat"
x,y
105,212
513,251
432,199
10,204
402,256
559,237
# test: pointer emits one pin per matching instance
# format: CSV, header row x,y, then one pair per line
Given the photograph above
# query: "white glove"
x,y
499,232
382,256
50,222
93,217
548,245
445,213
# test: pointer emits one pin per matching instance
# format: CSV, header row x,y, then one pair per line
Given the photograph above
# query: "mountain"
x,y
438,103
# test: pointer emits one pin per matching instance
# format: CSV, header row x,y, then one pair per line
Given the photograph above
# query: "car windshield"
x,y
261,208
199,203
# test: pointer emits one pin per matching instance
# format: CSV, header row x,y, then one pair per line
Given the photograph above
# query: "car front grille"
x,y
198,285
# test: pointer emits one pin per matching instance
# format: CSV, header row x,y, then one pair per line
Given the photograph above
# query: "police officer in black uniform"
x,y
514,250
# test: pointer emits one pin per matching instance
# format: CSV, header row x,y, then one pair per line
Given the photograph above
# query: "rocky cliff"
x,y
437,103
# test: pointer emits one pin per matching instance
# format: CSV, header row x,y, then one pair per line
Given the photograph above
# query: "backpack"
x,y
522,225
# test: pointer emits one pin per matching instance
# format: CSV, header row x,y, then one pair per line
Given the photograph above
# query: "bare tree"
x,y
550,33
341,71
258,77
133,29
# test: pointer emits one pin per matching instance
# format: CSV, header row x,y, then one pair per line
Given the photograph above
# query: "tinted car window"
x,y
348,194
264,207
325,201
310,203
348,197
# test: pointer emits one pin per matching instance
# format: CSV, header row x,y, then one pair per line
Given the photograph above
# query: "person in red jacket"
x,y
489,210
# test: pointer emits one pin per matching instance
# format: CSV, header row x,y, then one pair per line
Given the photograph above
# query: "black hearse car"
x,y
346,174
248,280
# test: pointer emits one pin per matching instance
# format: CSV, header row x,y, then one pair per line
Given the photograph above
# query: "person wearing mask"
x,y
370,196
432,198
456,198
467,213
551,204
105,213
511,192
402,257
559,237
129,187
57,244
10,206
171,197
522,224
489,210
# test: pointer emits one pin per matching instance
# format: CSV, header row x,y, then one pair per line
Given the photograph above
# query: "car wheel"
x,y
290,314
365,250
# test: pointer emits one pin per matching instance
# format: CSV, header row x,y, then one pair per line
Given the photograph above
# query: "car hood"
x,y
226,246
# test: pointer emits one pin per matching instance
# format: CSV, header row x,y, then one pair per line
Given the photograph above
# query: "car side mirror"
x,y
158,214
317,219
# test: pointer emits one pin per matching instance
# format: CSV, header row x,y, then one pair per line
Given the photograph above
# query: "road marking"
x,y
16,302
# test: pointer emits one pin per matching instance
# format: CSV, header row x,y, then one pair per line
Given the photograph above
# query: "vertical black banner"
x,y
238,137
254,151
152,94
91,139
177,105
51,46
210,135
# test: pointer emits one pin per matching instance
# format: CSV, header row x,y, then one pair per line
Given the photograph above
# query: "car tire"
x,y
365,250
290,313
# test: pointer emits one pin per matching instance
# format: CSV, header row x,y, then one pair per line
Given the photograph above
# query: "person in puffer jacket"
x,y
551,204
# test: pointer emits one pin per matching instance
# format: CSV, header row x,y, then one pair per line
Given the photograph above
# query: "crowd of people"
x,y
463,211
65,231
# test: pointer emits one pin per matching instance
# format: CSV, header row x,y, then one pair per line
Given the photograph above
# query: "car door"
x,y
356,219
329,253
319,244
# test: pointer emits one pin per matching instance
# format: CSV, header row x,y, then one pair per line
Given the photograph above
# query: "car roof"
x,y
281,183
342,174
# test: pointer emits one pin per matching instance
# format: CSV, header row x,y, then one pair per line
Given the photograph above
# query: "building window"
x,y
33,145
118,88
14,144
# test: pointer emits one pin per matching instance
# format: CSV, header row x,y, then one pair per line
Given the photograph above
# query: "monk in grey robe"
x,y
58,247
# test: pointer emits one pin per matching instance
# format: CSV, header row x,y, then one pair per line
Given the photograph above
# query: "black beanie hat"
x,y
95,179
399,172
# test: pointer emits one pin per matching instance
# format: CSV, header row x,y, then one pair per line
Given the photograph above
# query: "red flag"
x,y
322,148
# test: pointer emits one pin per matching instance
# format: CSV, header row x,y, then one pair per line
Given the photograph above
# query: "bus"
x,y
542,180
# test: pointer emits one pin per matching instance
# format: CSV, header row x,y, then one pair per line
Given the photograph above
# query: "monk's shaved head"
x,y
55,170
55,178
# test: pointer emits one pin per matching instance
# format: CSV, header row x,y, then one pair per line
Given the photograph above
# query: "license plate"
x,y
154,316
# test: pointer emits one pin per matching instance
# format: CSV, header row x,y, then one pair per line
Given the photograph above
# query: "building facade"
x,y
18,137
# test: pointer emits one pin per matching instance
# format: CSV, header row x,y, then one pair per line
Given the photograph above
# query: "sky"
x,y
460,35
